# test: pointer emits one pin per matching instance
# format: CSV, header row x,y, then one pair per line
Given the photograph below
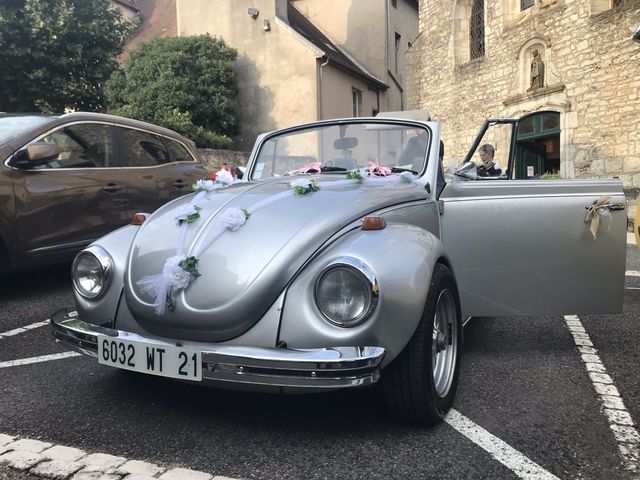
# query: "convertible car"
x,y
344,258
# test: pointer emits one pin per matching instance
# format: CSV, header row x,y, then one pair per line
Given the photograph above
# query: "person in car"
x,y
489,167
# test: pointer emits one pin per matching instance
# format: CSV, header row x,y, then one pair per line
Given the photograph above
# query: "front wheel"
x,y
420,384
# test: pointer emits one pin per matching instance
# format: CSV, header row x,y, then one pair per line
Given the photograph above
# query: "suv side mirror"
x,y
39,153
35,155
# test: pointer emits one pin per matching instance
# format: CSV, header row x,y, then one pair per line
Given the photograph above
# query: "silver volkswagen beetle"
x,y
344,258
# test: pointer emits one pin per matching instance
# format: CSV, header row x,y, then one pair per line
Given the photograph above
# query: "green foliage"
x,y
186,84
190,265
57,54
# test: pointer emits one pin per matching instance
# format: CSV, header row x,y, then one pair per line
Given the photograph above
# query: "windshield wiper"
x,y
400,170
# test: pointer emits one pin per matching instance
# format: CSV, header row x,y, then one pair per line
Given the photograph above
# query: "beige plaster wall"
x,y
402,20
337,94
592,79
276,70
366,29
359,26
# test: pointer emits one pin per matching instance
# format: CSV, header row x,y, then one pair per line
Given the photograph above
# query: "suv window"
x,y
82,145
180,154
142,149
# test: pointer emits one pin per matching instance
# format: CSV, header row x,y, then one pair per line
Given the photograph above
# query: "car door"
x,y
73,199
522,247
156,169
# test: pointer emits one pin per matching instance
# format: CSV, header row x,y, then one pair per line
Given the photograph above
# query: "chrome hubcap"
x,y
444,344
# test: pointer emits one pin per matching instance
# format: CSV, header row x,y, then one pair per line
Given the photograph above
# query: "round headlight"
x,y
91,270
346,293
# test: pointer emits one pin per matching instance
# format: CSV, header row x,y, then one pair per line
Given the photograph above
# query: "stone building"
x,y
305,60
152,19
568,69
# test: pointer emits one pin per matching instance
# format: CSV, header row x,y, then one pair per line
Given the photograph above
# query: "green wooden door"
x,y
537,140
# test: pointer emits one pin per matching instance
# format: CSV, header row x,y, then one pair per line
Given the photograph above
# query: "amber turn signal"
x,y
373,223
139,218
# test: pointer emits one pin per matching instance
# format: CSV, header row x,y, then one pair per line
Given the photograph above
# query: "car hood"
x,y
244,271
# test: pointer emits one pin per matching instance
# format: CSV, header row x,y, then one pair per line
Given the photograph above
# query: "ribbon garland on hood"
x,y
180,270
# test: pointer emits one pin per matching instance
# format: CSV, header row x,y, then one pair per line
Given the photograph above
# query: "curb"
x,y
60,462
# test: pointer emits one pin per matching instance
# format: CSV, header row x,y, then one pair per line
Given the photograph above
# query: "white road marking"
x,y
631,238
632,273
44,358
632,288
620,421
24,329
506,455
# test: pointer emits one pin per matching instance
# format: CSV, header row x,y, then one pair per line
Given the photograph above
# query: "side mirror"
x,y
39,153
467,170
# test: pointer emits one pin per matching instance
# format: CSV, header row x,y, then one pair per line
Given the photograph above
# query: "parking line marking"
x,y
620,421
24,329
631,238
508,456
44,358
632,273
632,288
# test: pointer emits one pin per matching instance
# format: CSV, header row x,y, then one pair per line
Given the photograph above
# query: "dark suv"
x,y
67,180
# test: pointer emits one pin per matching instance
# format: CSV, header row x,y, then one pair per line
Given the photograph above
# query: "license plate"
x,y
154,359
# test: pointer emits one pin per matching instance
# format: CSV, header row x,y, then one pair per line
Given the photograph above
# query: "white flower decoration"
x,y
174,274
233,218
186,211
205,186
302,182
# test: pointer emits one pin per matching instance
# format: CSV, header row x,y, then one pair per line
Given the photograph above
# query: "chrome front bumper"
x,y
322,368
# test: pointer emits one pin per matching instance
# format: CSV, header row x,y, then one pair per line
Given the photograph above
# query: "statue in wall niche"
x,y
537,71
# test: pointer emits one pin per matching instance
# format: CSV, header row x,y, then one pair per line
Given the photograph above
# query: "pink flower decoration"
x,y
384,171
312,166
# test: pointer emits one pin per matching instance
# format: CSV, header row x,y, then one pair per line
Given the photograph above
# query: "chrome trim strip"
x,y
61,245
336,367
112,124
531,195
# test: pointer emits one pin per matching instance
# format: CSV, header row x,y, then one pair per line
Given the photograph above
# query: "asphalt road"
x,y
522,381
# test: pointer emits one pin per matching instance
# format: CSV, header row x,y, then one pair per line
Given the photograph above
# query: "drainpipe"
x,y
319,95
400,89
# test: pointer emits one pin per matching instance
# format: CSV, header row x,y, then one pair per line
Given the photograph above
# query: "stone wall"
x,y
592,78
214,158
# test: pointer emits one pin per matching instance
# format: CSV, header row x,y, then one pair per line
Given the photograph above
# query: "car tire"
x,y
420,384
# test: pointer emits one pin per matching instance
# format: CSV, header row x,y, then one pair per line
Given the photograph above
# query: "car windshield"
x,y
13,126
343,147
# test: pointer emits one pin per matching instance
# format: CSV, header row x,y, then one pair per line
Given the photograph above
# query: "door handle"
x,y
179,183
112,187
609,206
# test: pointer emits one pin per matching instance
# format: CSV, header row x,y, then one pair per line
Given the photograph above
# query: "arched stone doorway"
x,y
538,145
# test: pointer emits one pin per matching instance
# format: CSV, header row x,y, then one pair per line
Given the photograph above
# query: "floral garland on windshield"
x,y
180,270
